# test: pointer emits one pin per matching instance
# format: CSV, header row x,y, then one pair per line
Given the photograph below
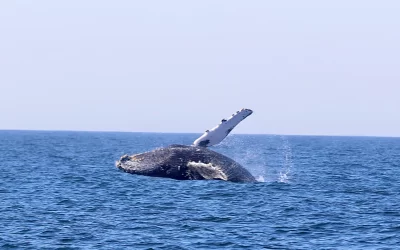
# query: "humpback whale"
x,y
194,162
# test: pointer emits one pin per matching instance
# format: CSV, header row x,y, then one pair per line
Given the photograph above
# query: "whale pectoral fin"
x,y
216,135
205,171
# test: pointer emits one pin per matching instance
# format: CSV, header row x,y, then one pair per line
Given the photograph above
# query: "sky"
x,y
306,67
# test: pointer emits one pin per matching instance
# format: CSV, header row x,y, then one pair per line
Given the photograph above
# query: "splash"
x,y
251,155
284,173
268,160
260,178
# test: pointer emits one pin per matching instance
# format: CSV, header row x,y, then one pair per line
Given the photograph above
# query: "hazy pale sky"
x,y
304,67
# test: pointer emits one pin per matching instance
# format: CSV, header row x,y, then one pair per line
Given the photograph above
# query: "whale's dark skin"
x,y
185,163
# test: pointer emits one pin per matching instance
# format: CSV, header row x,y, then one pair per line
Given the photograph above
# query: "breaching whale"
x,y
194,162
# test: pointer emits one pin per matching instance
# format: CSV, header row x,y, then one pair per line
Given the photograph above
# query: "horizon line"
x,y
158,132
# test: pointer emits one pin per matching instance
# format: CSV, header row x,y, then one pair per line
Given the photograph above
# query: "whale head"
x,y
160,163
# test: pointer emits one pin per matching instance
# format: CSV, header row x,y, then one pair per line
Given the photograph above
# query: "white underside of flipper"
x,y
216,135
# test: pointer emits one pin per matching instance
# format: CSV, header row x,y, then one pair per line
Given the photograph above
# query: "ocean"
x,y
61,190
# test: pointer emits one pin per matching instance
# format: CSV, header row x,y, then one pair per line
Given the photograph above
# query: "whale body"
x,y
183,162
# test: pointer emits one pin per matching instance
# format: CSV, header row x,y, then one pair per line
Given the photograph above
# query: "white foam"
x,y
260,178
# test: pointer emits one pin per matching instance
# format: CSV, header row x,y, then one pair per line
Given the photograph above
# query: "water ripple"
x,y
318,192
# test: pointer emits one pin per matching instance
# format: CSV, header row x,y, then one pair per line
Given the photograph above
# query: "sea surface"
x,y
61,190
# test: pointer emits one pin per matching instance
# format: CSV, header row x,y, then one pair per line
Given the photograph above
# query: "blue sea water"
x,y
61,190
